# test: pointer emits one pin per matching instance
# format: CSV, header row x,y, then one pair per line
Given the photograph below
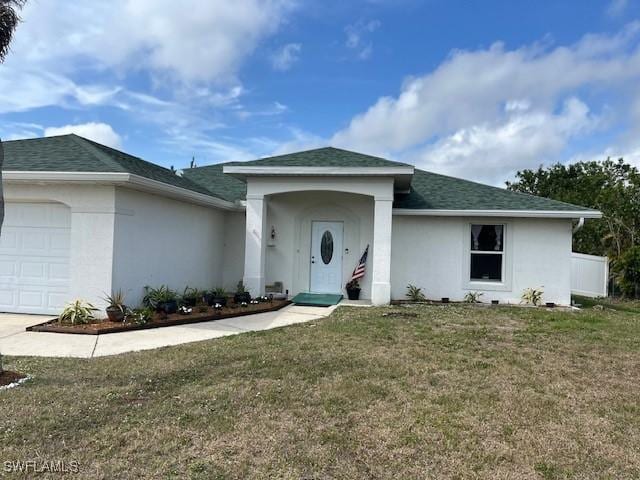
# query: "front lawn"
x,y
445,391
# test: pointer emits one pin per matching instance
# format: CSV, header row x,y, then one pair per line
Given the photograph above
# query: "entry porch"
x,y
308,232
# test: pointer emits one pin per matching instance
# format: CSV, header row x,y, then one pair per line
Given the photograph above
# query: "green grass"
x,y
455,392
632,306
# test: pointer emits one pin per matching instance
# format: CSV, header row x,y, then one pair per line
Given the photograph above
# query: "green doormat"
x,y
317,299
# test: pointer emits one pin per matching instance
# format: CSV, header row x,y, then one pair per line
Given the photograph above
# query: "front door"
x,y
326,257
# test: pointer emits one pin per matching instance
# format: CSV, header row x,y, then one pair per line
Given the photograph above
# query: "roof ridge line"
x,y
96,145
186,169
103,157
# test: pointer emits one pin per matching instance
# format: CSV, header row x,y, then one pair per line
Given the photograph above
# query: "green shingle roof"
x,y
434,191
323,157
71,153
428,190
212,178
232,189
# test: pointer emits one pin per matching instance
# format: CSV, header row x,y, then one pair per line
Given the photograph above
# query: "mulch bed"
x,y
8,377
106,326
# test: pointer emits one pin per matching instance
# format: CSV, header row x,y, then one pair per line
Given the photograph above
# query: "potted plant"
x,y
242,295
217,296
161,299
190,297
353,290
116,309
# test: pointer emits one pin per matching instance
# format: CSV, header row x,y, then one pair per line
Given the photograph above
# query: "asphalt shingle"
x,y
71,153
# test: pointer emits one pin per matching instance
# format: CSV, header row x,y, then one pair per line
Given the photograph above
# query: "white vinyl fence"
x,y
589,275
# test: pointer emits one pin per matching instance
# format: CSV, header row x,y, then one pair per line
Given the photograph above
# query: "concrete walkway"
x,y
14,340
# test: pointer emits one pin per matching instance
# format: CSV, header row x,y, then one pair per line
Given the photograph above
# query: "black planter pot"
x,y
242,297
353,293
115,314
221,300
189,302
168,307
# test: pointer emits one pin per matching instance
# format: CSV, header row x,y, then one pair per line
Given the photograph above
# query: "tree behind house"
x,y
613,187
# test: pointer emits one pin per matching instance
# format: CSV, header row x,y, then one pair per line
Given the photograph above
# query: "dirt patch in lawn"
x,y
158,320
8,377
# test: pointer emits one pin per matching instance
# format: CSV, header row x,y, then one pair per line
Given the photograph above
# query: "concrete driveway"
x,y
14,340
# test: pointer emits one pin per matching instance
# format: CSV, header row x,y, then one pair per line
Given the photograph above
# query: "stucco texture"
x,y
433,253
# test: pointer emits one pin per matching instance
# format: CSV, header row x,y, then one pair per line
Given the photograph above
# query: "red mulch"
x,y
7,377
107,326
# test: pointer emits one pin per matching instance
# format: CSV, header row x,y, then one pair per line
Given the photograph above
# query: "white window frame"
x,y
507,249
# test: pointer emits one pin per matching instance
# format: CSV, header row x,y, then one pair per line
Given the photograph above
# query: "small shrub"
x,y
532,296
220,291
191,296
78,311
240,288
473,297
154,296
141,316
415,294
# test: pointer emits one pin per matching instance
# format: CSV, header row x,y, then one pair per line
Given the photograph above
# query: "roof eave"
x,y
245,170
127,180
402,174
571,214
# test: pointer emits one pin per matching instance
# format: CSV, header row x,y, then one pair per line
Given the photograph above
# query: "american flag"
x,y
359,270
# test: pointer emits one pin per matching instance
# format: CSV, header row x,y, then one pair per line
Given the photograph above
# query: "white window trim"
x,y
507,260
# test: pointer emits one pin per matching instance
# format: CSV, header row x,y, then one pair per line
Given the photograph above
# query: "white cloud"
x,y
190,40
33,89
524,139
617,7
18,130
98,132
357,37
286,56
301,140
477,102
184,48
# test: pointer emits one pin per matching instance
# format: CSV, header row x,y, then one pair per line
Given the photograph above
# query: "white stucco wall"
x,y
233,261
163,241
291,214
92,228
121,238
432,253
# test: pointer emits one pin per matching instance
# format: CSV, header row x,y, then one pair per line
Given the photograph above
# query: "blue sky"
x,y
473,89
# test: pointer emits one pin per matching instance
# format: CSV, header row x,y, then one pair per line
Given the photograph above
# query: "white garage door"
x,y
34,257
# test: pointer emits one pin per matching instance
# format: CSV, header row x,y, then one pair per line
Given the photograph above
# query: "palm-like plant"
x,y
77,311
9,20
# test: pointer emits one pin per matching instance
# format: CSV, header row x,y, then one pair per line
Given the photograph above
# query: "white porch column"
x,y
254,252
381,280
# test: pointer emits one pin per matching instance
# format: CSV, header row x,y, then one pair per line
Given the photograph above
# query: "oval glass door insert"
x,y
326,247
